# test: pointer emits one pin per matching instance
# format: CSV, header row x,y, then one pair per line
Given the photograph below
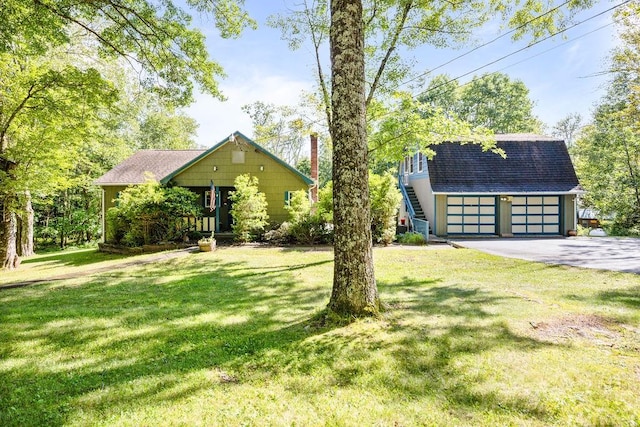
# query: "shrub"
x,y
582,231
149,213
324,207
249,211
279,235
385,199
308,223
412,238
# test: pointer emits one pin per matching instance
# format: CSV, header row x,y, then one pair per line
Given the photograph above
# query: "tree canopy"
x,y
608,152
152,35
492,101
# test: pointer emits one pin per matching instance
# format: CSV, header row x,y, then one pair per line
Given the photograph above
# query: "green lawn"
x,y
233,337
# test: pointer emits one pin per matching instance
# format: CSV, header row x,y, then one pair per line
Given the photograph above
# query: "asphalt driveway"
x,y
605,253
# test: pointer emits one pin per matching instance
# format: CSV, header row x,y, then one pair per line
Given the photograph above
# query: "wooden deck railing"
x,y
205,224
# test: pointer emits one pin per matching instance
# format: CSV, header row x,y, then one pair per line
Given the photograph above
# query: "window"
x,y
287,197
420,162
237,157
410,164
207,199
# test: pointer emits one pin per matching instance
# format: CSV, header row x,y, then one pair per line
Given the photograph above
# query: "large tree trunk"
x,y
9,258
354,286
8,233
25,228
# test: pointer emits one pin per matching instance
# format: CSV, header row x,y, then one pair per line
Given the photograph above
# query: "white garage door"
x,y
535,215
471,215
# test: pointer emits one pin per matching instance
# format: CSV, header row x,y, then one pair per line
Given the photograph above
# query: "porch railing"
x,y
421,226
205,224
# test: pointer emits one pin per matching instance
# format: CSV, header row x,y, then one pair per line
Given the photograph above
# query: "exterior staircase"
x,y
415,203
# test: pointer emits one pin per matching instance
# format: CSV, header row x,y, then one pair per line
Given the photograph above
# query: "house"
x,y
463,191
199,170
589,218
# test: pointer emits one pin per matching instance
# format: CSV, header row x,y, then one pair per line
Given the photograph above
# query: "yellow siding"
x,y
110,194
274,180
440,228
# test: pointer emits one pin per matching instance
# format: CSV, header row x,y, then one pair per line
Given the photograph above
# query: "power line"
x,y
534,56
557,46
521,49
482,45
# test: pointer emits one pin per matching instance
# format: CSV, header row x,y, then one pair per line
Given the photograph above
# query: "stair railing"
x,y
415,224
405,196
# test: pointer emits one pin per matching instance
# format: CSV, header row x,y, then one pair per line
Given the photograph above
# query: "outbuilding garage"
x,y
465,191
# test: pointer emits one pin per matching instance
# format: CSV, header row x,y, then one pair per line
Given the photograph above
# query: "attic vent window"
x,y
237,157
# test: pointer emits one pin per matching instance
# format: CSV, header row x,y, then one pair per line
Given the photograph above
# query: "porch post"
x,y
216,225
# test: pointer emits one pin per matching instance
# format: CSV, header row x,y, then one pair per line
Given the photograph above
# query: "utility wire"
x,y
482,45
537,54
521,49
515,52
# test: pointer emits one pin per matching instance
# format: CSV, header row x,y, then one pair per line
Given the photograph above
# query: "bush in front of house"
x,y
412,238
385,199
308,225
150,213
249,209
279,234
314,224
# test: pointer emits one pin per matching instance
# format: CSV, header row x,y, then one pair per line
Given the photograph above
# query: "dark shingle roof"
x,y
159,162
534,164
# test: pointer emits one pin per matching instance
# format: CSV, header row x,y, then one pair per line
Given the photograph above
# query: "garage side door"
x,y
535,215
471,215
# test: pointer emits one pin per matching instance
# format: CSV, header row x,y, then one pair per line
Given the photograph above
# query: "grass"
x,y
232,337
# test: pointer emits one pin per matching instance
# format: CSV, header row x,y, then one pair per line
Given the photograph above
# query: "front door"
x,y
224,209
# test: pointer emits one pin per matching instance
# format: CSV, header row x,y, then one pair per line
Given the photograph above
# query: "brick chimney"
x,y
314,167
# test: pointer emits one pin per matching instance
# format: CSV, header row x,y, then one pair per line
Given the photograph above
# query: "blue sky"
x,y
562,77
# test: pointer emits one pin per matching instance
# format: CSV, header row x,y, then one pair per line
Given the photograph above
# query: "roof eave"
x,y
500,193
115,184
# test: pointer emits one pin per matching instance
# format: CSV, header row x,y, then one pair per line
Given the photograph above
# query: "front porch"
x,y
206,226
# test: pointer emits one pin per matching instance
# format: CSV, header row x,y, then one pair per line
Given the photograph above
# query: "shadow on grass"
x,y
628,297
462,325
145,335
74,258
129,326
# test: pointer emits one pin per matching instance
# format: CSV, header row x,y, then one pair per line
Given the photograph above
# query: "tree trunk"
x,y
63,219
8,233
354,287
25,228
8,224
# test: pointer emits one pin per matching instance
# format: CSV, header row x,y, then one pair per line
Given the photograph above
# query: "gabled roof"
x,y
229,140
160,163
534,164
166,164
